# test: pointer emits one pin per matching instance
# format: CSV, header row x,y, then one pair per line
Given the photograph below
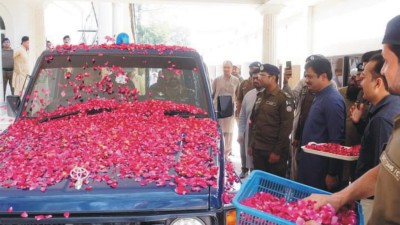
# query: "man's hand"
x,y
331,182
240,139
287,75
238,108
335,200
250,151
274,158
355,113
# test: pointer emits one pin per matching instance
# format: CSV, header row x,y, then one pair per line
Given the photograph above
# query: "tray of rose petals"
x,y
268,199
333,150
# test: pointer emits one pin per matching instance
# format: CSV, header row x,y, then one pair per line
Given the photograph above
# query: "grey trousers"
x,y
7,78
243,157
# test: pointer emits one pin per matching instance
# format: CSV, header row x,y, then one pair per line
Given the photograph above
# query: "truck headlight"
x,y
188,221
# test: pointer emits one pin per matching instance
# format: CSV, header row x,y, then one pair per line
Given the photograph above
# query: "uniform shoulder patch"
x,y
287,94
284,93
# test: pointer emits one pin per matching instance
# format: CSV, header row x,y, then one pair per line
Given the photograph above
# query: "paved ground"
x,y
235,158
5,121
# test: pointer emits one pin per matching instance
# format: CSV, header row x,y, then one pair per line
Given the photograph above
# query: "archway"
x,y
2,28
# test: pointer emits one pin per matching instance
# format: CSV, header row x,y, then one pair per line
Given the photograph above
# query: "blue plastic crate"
x,y
260,181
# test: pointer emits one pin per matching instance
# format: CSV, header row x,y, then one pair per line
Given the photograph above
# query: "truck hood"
x,y
38,158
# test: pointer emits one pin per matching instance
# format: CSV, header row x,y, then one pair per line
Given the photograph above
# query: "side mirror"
x,y
225,106
13,102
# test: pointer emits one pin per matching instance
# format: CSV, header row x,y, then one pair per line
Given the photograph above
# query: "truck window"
x,y
65,81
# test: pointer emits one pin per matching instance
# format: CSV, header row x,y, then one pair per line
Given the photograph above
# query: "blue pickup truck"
x,y
115,134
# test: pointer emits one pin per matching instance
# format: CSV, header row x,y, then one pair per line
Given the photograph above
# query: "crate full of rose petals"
x,y
266,199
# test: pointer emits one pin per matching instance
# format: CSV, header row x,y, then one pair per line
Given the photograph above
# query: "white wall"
x,y
292,37
332,27
9,22
24,18
346,27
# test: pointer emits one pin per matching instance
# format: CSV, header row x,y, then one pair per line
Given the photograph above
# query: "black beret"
x,y
270,69
255,64
313,57
392,33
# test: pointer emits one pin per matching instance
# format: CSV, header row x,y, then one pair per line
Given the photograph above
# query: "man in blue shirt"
x,y
379,120
324,124
380,116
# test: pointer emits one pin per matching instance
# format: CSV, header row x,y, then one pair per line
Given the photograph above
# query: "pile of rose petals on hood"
x,y
301,211
130,140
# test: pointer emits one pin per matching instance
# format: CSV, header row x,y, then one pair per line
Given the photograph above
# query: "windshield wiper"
x,y
45,119
88,112
184,114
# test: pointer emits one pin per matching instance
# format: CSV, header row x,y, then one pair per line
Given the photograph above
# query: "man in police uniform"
x,y
8,65
271,124
383,181
246,86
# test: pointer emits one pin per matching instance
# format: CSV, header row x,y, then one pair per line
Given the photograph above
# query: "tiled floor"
x,y
235,158
5,121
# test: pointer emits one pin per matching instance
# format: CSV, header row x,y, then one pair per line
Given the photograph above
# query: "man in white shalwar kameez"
x,y
226,85
21,67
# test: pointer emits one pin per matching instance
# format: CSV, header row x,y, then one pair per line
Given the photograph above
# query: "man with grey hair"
x,y
226,85
236,71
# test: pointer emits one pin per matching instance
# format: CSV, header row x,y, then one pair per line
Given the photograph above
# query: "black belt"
x,y
8,69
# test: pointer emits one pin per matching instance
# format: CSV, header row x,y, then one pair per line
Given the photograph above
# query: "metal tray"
x,y
328,154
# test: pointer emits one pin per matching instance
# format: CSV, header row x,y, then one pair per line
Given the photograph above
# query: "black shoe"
x,y
243,175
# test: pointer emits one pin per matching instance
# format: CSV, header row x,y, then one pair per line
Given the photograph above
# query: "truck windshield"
x,y
65,80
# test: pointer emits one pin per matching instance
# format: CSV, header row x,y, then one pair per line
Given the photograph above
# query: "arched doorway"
x,y
2,28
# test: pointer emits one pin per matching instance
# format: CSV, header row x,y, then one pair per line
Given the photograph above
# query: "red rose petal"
x,y
88,188
66,214
39,217
114,185
24,214
181,190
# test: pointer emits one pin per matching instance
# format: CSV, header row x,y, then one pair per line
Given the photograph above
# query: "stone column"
x,y
105,19
119,18
310,30
37,34
269,12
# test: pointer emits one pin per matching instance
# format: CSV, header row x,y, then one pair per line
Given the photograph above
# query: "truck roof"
x,y
140,49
